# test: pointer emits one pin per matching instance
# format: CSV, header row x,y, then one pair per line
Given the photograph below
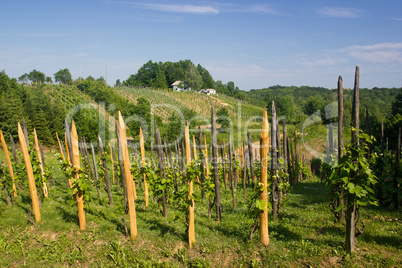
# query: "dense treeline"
x,y
163,74
297,103
34,105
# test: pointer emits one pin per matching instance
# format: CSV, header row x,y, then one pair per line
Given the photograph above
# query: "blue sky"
x,y
255,44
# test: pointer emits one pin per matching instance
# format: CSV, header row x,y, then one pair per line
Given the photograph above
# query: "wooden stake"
x,y
214,134
206,158
107,180
250,151
38,153
31,179
264,145
341,215
129,180
111,159
191,230
76,164
10,166
143,165
351,202
274,163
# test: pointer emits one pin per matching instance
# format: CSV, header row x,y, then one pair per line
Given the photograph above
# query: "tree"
x,y
36,76
90,78
223,118
207,81
118,83
49,80
285,106
313,104
4,82
23,78
193,77
231,88
63,76
397,104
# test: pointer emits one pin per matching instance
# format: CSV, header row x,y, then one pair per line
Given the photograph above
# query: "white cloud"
x,y
340,12
381,52
175,8
42,34
214,9
327,61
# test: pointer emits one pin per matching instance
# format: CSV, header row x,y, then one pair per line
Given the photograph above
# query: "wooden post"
x,y
161,165
121,165
214,141
104,163
76,164
13,149
63,156
143,165
191,230
96,174
250,151
351,202
396,177
206,158
112,160
38,153
274,163
201,162
31,179
341,215
129,180
231,177
10,166
264,145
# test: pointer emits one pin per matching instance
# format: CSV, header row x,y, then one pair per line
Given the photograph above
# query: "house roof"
x,y
176,83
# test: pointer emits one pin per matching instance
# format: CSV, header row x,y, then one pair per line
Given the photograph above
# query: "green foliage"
x,y
193,77
63,76
36,76
255,204
397,104
162,74
354,175
160,187
37,172
384,168
207,81
182,199
223,117
82,184
313,104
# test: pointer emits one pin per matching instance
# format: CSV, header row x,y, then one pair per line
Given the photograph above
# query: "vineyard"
x,y
200,103
198,201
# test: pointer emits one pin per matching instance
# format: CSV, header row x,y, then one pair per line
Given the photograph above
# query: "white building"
x,y
209,91
179,85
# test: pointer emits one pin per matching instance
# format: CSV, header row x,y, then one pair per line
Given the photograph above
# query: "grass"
x,y
304,235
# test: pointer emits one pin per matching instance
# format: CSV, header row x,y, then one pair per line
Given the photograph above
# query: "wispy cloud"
x,y
380,53
397,19
259,8
175,8
326,61
42,34
211,9
340,12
